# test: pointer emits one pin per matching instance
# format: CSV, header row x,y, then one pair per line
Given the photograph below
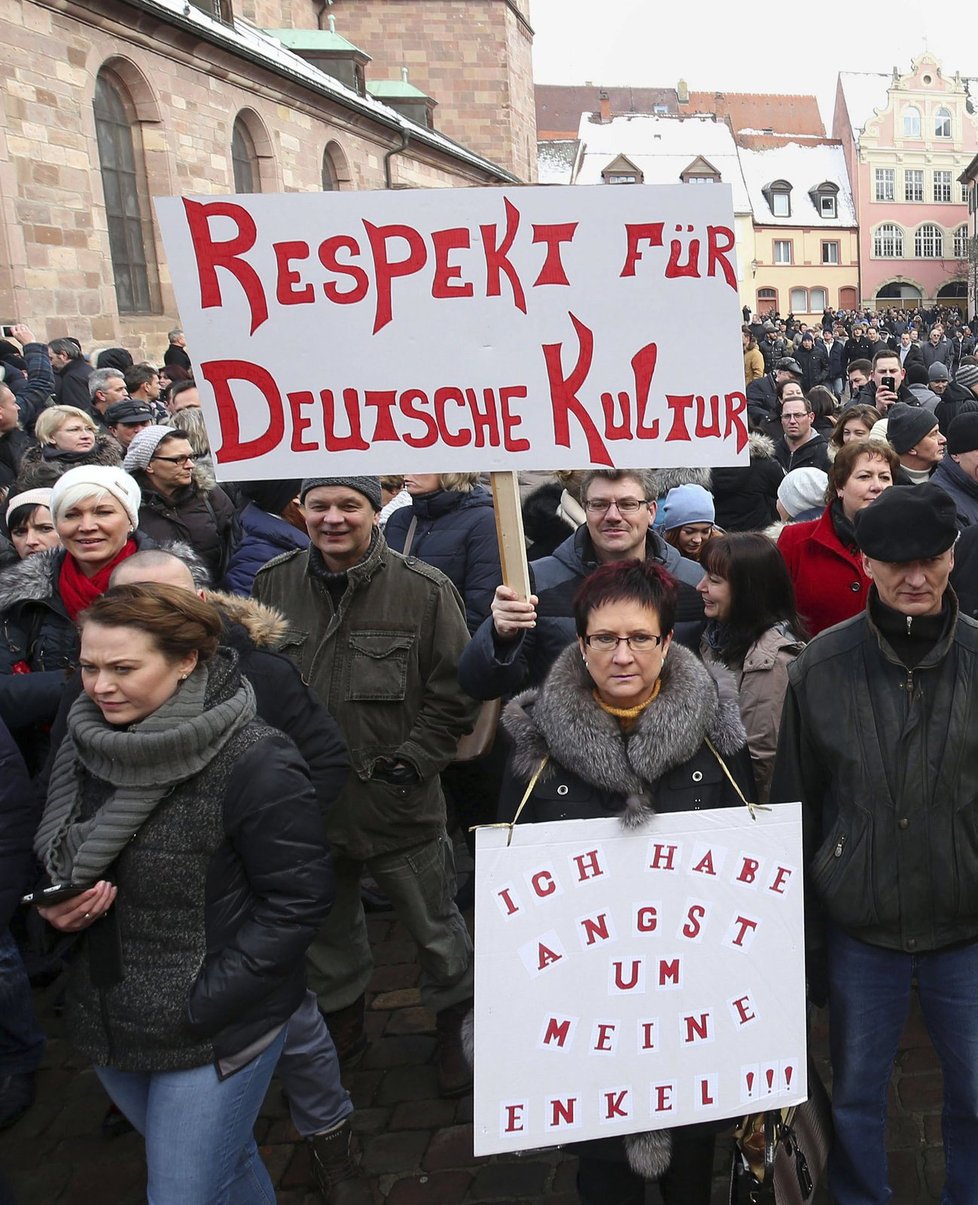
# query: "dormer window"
x,y
825,198
700,171
778,197
622,171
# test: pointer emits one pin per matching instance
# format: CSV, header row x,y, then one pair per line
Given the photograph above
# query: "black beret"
x,y
907,523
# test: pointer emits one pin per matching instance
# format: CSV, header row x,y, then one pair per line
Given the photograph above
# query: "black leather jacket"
x,y
885,762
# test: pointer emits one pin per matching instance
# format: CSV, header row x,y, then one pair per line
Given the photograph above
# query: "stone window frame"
x,y
942,193
254,151
885,177
129,225
910,112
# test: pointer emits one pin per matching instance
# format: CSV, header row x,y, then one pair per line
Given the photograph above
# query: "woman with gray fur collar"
x,y
625,721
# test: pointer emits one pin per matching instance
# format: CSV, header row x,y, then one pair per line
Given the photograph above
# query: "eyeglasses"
x,y
625,506
175,459
638,642
794,418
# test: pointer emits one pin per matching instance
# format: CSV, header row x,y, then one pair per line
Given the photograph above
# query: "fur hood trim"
x,y
265,626
562,720
761,446
649,1154
665,480
29,580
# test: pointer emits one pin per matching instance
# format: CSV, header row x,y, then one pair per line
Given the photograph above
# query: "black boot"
x,y
452,1067
339,1176
346,1029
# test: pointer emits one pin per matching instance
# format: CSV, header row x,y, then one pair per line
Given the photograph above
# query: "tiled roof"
x,y
559,106
782,114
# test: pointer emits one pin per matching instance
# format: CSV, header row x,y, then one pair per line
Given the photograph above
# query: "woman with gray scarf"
x,y
195,834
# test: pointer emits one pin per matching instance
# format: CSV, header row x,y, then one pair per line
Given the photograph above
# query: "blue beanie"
x,y
687,504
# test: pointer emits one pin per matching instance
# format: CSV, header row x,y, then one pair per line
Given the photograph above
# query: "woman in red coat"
x,y
825,566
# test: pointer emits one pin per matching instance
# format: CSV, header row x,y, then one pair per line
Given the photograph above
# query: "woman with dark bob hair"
x,y
629,723
824,562
754,630
194,837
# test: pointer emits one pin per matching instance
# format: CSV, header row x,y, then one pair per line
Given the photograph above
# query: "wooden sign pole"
x,y
509,532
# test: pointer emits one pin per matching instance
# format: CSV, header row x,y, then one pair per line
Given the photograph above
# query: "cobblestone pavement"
x,y
416,1147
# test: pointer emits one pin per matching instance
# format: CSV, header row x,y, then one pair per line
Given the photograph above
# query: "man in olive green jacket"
x,y
378,637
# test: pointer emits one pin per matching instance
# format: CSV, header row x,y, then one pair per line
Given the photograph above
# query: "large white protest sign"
x,y
628,982
462,329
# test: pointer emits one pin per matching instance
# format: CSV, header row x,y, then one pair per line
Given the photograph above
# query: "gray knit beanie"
x,y
368,486
967,375
143,447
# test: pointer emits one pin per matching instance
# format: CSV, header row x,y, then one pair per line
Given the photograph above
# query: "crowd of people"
x,y
233,716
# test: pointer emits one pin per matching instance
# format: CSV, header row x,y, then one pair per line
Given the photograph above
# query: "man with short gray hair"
x,y
71,373
106,386
176,353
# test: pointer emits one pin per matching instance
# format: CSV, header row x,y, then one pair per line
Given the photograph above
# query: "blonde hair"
x,y
50,422
461,483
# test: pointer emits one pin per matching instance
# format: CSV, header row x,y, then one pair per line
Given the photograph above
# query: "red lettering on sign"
x,y
720,240
646,232
543,883
595,927
744,1010
210,255
219,374
588,866
746,926
497,257
342,443
633,975
705,864
514,1119
387,270
748,871
696,1028
669,972
692,927
613,1104
552,272
446,274
562,1111
546,957
606,1032
511,906
557,1032
285,291
299,421
646,920
781,877
663,857
328,252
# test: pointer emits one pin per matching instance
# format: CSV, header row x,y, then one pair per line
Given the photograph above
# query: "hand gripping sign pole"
x,y
509,533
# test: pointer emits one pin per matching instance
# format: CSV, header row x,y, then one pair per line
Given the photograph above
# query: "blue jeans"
x,y
21,1041
869,998
310,1072
200,1149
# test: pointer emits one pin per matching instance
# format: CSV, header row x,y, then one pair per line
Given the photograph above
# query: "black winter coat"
x,y
746,498
888,788
18,820
204,519
71,385
213,956
955,400
456,533
14,446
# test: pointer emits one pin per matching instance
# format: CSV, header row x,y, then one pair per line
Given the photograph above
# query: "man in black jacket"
x,y
14,440
888,793
887,385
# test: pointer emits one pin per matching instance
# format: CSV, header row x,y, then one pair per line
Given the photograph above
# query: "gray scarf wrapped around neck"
x,y
142,763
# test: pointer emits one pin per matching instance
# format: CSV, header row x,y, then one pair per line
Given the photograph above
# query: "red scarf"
x,y
78,591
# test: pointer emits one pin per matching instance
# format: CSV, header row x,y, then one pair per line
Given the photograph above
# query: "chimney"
x,y
604,102
682,92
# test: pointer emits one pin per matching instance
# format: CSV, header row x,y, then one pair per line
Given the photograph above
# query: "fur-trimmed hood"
x,y
665,480
562,720
265,626
761,446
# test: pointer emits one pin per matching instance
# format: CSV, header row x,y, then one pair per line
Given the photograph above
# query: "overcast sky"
x,y
651,43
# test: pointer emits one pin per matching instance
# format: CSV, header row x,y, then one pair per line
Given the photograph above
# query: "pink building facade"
x,y
907,139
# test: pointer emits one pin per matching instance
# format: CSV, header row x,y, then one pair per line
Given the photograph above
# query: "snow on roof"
x,y
661,147
864,91
248,40
556,159
804,168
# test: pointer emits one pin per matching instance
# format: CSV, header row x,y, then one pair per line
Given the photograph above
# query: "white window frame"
x,y
779,243
885,186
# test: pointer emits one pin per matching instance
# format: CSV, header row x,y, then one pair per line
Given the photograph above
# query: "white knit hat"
x,y
102,478
803,489
143,446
